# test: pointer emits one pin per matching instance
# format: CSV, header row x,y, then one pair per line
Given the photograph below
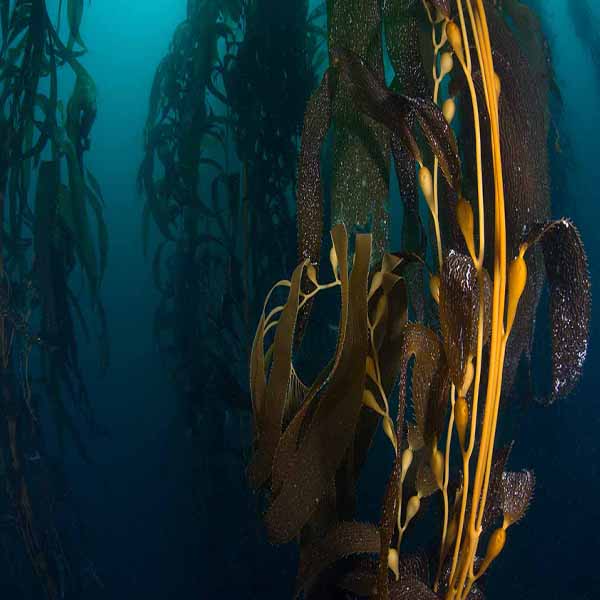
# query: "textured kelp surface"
x,y
360,177
453,366
570,300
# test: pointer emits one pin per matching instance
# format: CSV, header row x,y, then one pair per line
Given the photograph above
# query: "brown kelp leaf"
x,y
495,497
297,391
429,378
361,580
258,377
361,146
440,137
338,408
286,449
528,30
379,305
570,300
517,491
411,588
310,194
416,273
345,539
276,393
402,32
459,312
414,437
414,565
391,345
402,39
373,98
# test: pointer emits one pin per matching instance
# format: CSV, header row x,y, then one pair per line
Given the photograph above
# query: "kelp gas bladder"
x,y
471,137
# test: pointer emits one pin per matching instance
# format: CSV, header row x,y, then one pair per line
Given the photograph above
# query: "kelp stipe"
x,y
478,133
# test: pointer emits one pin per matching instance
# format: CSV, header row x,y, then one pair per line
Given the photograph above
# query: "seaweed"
x,y
472,142
218,179
42,245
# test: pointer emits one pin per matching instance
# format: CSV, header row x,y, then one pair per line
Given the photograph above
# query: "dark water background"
x,y
135,502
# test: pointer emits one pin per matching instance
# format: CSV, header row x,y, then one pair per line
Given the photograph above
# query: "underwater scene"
x,y
295,299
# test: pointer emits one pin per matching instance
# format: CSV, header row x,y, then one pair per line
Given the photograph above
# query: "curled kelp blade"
x,y
275,393
337,409
345,539
396,112
459,312
286,455
517,492
570,300
495,497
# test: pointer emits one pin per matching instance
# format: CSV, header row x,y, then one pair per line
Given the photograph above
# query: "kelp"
x,y
570,300
397,112
472,142
360,170
181,134
217,178
206,185
46,237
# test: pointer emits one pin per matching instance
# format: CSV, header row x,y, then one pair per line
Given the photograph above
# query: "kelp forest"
x,y
367,285
53,246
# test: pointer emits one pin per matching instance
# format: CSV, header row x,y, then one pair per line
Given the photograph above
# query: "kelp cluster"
x,y
466,122
218,175
220,153
47,236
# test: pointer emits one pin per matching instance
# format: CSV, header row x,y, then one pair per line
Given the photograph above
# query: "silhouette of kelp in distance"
x,y
207,178
485,280
211,172
42,245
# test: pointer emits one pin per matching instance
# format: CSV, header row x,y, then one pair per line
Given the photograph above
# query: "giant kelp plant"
x,y
46,237
466,121
218,175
